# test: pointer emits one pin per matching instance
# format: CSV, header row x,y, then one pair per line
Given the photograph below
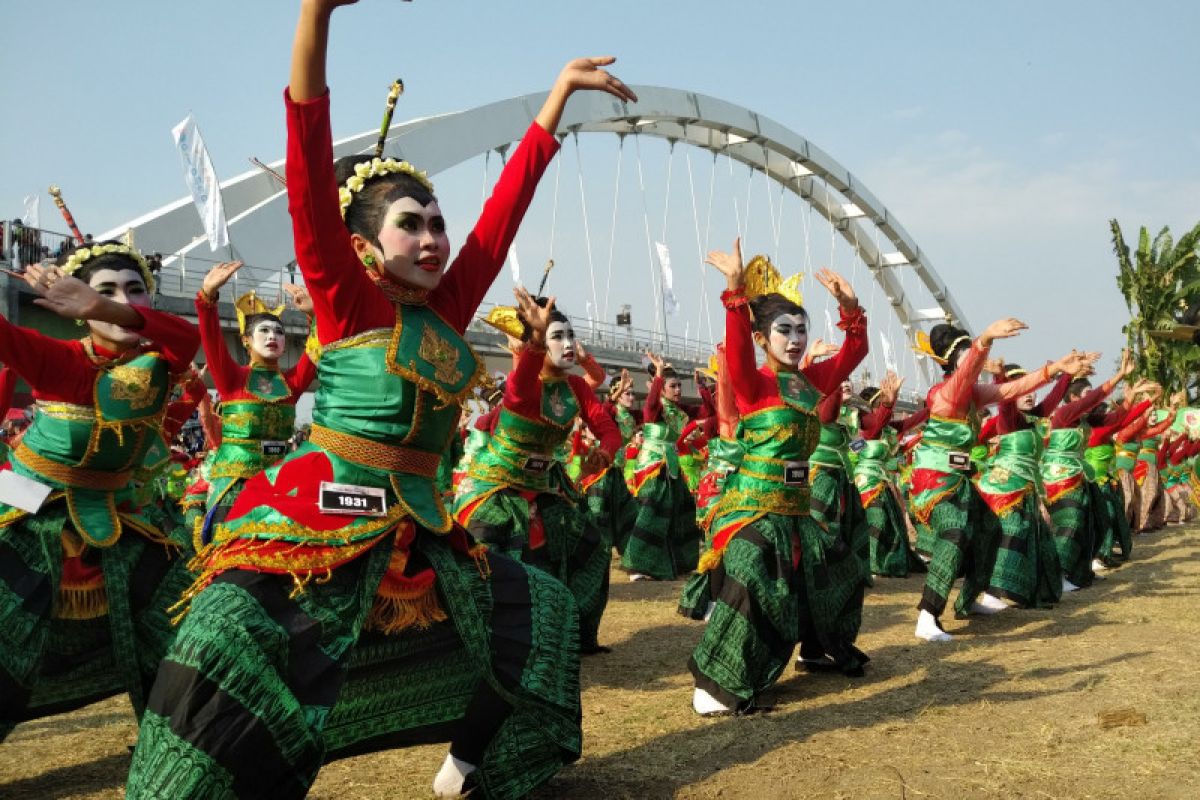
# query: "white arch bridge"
x,y
256,202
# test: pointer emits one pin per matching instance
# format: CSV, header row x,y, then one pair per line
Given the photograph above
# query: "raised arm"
x,y
228,376
1057,392
829,374
599,422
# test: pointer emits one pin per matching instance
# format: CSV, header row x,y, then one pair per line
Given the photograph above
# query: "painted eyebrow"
x,y
113,285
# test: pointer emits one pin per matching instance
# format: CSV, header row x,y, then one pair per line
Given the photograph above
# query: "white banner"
x,y
201,180
888,359
830,331
514,265
32,215
670,304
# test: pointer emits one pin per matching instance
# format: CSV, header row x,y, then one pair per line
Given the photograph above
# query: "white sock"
x,y
708,611
705,703
449,780
924,557
988,603
927,628
1068,586
637,576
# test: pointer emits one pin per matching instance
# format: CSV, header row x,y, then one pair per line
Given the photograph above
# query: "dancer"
x,y
891,555
665,541
761,602
79,557
1026,571
258,402
468,646
516,497
943,497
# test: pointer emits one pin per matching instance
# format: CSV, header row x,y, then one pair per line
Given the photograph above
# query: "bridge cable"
x,y
587,231
612,234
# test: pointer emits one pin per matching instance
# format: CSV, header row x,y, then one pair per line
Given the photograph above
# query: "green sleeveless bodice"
x,y
1126,456
1063,458
523,452
777,442
1099,462
871,470
833,448
944,444
401,387
254,433
1148,450
92,453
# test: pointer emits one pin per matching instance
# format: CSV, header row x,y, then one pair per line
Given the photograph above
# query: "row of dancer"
x,y
342,597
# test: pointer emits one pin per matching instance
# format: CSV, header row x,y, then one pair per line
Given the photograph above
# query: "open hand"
x,y
217,277
589,74
729,264
839,287
536,317
300,297
1003,329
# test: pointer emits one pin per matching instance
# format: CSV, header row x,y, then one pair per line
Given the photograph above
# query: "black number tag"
x,y
795,474
538,464
858,444
274,448
344,498
958,460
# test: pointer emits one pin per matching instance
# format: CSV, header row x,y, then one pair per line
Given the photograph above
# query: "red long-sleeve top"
x,y
918,417
1157,428
62,371
652,408
755,388
8,387
181,410
345,299
830,407
1103,434
871,426
523,395
1068,416
229,376
953,397
1132,430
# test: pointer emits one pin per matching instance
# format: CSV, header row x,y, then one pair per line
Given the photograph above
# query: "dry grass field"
x,y
1097,698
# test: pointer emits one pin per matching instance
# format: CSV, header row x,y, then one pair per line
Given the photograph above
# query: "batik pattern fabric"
x,y
1069,503
1026,569
517,499
88,578
890,555
754,569
665,540
944,500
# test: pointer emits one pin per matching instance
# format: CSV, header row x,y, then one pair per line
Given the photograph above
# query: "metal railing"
x,y
21,244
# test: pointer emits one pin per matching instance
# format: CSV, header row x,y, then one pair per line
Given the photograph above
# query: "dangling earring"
x,y
80,323
368,260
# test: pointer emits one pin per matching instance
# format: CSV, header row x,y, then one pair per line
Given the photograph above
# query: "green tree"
x,y
1160,280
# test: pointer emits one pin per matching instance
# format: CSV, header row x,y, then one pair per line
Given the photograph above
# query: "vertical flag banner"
x,y
889,361
514,265
831,330
201,179
32,216
670,304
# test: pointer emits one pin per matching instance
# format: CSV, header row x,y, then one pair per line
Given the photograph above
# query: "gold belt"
x,y
376,455
75,477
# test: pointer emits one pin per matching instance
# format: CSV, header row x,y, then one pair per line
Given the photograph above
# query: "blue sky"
x,y
1002,135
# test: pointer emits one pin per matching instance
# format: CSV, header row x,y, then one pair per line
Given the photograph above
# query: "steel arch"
x,y
256,204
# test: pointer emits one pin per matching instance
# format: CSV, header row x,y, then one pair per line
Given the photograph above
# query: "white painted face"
x,y
672,389
124,286
626,398
560,345
415,247
265,341
788,338
1025,402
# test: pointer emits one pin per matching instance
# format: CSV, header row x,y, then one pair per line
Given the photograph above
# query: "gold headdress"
x,y
249,304
85,254
713,369
505,320
925,347
763,278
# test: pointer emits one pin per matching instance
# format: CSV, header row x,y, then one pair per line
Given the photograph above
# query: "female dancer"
x,y
78,555
516,497
1026,570
756,582
891,554
258,402
664,542
481,647
942,495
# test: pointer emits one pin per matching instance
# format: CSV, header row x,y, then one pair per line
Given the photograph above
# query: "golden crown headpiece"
x,y
925,347
762,277
85,254
250,304
506,320
375,168
713,369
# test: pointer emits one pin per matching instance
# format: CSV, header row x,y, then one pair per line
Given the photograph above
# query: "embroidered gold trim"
x,y
372,338
75,477
66,411
376,455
